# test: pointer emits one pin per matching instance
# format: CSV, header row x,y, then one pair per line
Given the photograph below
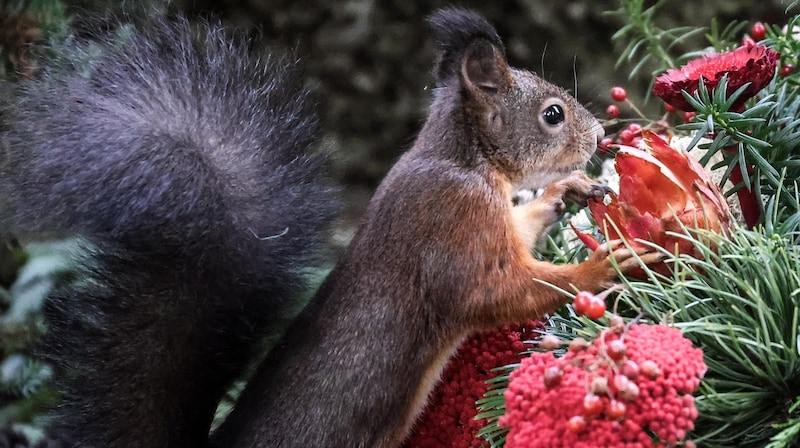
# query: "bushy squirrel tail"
x,y
187,167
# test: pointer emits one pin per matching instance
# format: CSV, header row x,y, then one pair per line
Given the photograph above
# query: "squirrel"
x,y
185,167
442,252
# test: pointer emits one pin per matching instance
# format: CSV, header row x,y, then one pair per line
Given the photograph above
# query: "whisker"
x,y
544,52
575,73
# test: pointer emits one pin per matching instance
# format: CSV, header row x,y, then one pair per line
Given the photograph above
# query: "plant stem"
x,y
642,20
751,210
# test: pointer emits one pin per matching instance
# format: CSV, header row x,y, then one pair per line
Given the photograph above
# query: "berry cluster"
x,y
449,418
618,94
630,387
631,135
589,305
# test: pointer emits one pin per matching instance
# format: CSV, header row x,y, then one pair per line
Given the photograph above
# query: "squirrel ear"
x,y
484,68
458,30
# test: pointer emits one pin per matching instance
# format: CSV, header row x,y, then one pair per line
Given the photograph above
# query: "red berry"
x,y
620,383
552,376
618,93
612,111
649,369
576,424
616,349
631,391
669,107
758,31
786,70
626,136
635,128
582,300
592,405
596,308
615,410
605,144
578,344
630,369
549,342
616,323
599,385
687,116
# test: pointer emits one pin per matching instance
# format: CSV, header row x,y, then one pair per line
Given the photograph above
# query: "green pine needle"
x,y
740,302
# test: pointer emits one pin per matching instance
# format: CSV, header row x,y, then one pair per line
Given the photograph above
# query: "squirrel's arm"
x,y
533,218
489,252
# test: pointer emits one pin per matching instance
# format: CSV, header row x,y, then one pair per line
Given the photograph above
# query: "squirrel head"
x,y
530,130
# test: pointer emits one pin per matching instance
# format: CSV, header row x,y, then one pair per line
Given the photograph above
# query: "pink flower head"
x,y
659,364
661,189
749,63
449,417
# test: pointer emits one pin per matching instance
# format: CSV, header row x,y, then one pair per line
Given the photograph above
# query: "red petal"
x,y
713,203
603,213
754,64
598,209
648,183
682,167
585,238
705,195
645,227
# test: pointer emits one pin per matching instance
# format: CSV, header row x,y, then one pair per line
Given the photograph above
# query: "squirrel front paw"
x,y
533,219
614,257
579,188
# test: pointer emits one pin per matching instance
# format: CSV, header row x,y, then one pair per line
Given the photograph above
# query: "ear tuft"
x,y
456,29
481,69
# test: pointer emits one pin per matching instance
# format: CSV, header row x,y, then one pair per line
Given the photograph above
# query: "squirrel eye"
x,y
553,115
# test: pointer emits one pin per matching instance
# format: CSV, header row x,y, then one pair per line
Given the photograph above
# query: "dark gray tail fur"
x,y
186,166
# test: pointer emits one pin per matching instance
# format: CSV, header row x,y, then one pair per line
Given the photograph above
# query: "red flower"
x,y
449,417
660,190
750,63
660,413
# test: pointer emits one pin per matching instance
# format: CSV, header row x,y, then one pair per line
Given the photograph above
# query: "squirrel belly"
x,y
187,166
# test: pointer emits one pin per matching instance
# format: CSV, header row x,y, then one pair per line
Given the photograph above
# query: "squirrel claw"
x,y
580,188
595,192
598,192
